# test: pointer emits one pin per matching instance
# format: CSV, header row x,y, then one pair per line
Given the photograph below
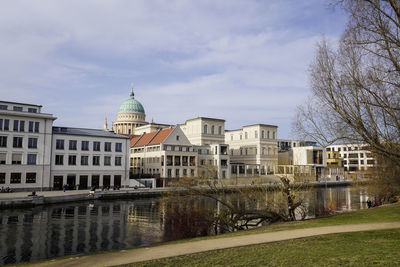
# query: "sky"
x,y
245,61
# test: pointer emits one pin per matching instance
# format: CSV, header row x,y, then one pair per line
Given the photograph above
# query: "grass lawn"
x,y
378,248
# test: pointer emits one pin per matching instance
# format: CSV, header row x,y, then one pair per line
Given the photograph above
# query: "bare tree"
x,y
356,86
246,206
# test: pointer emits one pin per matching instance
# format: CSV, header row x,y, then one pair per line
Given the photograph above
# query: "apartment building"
x,y
25,146
253,149
163,155
82,158
308,162
356,157
208,138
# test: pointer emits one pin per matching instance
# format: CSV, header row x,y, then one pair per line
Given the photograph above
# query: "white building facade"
x,y
163,155
356,156
208,137
25,146
85,158
253,149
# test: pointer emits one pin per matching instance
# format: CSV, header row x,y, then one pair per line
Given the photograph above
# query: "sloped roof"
x,y
161,136
85,132
134,139
153,138
145,139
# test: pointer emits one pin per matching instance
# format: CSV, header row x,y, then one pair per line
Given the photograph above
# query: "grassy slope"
x,y
359,249
379,248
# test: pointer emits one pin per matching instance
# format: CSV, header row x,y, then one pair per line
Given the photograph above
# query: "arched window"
x,y
212,129
205,128
262,134
220,130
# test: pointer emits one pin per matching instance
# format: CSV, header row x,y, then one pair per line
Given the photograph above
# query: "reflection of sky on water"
x,y
73,228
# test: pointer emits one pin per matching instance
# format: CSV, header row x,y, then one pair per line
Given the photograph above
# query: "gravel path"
x,y
170,250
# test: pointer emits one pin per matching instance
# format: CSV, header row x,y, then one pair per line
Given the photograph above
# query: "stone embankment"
x,y
24,199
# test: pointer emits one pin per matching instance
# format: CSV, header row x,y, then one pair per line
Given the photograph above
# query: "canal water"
x,y
74,228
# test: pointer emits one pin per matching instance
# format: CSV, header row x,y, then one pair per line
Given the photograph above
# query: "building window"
x,y
31,159
245,135
118,147
96,160
241,137
3,158
96,146
72,144
6,124
107,161
267,134
205,129
177,138
220,130
15,128
273,135
262,134
169,173
60,144
3,141
84,160
177,173
118,161
3,107
71,160
107,146
2,177
16,108
32,110
85,145
59,160
212,129
17,142
32,142
22,126
30,126
15,178
31,177
36,127
1,124
256,134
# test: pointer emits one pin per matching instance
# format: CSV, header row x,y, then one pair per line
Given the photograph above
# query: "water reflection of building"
x,y
58,231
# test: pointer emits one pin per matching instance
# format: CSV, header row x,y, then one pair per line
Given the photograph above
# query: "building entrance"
x,y
58,183
71,182
83,182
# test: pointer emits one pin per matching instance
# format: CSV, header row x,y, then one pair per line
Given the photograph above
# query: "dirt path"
x,y
171,250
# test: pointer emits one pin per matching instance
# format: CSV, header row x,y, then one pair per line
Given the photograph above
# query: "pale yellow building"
x,y
253,149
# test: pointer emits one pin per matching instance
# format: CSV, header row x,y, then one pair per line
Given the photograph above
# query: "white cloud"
x,y
241,60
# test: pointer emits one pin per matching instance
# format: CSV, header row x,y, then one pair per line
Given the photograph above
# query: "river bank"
x,y
25,199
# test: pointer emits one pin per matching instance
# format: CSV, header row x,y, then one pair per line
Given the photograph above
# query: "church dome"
x,y
131,105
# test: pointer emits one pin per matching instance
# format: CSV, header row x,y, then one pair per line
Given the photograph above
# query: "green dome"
x,y
131,105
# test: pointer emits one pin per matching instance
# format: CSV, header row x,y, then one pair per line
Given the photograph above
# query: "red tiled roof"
x,y
145,139
161,136
134,138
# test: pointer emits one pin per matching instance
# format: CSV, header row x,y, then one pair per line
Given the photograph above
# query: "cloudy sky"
x,y
243,61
